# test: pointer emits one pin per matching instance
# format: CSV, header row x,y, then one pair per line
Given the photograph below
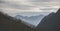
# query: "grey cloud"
x,y
23,7
18,6
28,7
43,0
40,0
1,1
48,9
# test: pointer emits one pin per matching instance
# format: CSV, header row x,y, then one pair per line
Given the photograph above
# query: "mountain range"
x,y
33,20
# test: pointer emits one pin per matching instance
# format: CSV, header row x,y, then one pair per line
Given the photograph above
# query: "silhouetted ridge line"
x,y
58,10
8,23
51,22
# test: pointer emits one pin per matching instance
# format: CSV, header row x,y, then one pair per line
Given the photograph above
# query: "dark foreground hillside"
x,y
51,22
8,23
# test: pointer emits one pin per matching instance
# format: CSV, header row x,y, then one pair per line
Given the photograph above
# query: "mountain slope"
x,y
51,22
8,23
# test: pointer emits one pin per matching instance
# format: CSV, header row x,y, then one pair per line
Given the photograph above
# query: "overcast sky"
x,y
16,6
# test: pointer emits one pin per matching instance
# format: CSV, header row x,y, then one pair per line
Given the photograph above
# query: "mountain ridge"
x,y
33,20
8,23
51,22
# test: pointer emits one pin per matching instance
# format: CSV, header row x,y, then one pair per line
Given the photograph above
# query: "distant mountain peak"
x,y
33,20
